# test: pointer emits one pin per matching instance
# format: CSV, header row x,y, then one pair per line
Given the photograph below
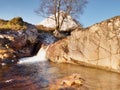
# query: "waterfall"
x,y
46,39
40,57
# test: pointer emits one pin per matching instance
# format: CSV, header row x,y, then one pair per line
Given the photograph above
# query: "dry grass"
x,y
14,24
43,28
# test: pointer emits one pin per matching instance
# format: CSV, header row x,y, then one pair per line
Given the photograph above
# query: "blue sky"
x,y
95,11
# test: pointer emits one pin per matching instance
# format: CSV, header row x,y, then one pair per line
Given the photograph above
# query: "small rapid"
x,y
46,40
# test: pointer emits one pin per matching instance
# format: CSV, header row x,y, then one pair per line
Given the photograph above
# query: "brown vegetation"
x,y
16,23
43,28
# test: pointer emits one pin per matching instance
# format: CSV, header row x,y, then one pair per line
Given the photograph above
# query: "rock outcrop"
x,y
97,46
17,39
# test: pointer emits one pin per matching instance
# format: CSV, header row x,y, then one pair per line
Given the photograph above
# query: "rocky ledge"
x,y
17,39
96,46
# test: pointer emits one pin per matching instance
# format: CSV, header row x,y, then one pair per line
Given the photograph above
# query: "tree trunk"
x,y
57,19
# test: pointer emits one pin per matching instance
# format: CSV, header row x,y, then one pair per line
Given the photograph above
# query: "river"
x,y
37,76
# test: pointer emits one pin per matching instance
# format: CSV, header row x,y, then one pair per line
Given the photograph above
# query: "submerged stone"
x,y
72,82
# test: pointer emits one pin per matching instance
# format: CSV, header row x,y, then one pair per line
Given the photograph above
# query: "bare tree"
x,y
54,7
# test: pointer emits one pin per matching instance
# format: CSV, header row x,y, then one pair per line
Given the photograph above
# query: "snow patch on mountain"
x,y
68,23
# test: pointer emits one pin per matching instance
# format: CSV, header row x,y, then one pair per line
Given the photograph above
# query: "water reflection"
x,y
37,76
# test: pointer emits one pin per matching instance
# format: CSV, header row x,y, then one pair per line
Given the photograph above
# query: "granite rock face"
x,y
58,51
97,46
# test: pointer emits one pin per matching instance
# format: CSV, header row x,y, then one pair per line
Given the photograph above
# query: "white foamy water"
x,y
10,80
41,56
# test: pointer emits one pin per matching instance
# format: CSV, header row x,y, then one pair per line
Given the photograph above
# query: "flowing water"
x,y
41,56
35,73
37,76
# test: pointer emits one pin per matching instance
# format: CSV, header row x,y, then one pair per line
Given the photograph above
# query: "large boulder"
x,y
58,52
17,39
97,46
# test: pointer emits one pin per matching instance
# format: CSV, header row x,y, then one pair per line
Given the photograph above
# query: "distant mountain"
x,y
68,24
